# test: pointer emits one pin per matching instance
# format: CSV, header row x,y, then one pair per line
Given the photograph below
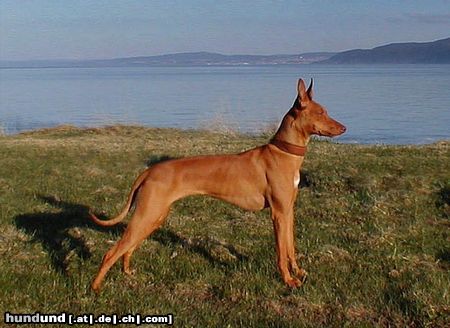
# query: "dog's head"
x,y
311,118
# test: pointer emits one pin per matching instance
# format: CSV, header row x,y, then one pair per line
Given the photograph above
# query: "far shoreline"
x,y
119,128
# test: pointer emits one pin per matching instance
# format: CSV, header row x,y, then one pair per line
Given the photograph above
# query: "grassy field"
x,y
372,230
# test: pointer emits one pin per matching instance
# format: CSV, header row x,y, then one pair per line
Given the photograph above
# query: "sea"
x,y
379,104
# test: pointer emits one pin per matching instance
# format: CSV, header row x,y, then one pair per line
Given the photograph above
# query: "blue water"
x,y
391,104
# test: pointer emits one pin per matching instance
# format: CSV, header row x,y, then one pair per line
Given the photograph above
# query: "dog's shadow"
x,y
213,250
59,232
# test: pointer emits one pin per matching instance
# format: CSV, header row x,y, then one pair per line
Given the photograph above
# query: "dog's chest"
x,y
296,179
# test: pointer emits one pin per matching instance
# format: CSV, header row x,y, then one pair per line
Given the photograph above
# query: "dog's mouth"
x,y
322,134
325,134
334,133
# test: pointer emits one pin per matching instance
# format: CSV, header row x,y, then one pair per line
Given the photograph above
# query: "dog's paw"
x,y
129,272
293,282
301,274
95,288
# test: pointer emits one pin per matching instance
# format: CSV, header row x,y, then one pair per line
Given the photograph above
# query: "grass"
x,y
372,230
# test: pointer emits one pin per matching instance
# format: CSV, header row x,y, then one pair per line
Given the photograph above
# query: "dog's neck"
x,y
288,138
288,147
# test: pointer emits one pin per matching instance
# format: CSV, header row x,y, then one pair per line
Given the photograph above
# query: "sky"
x,y
78,29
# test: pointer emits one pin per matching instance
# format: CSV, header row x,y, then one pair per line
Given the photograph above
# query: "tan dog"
x,y
266,176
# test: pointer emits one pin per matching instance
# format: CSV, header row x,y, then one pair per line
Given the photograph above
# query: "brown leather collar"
x,y
288,147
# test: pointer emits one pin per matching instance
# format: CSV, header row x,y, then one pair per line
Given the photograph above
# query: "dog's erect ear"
x,y
310,90
303,96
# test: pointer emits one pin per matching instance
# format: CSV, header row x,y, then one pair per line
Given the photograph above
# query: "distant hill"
x,y
178,59
436,52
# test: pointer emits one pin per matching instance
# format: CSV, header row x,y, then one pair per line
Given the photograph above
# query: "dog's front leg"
x,y
281,221
295,269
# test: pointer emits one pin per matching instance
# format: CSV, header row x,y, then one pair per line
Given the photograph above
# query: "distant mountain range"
x,y
436,52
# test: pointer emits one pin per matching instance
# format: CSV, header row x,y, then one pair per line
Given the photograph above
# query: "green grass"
x,y
372,230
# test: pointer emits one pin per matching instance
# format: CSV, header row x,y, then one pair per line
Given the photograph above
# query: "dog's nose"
x,y
343,129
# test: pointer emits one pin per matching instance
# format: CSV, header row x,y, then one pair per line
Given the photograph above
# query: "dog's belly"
x,y
238,190
230,178
250,202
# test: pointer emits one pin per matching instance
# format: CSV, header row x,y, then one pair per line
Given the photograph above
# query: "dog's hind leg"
x,y
114,253
137,230
126,259
127,256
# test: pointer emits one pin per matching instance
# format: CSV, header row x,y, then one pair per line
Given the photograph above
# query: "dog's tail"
x,y
131,197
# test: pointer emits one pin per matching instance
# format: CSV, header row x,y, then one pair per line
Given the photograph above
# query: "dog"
x,y
267,176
